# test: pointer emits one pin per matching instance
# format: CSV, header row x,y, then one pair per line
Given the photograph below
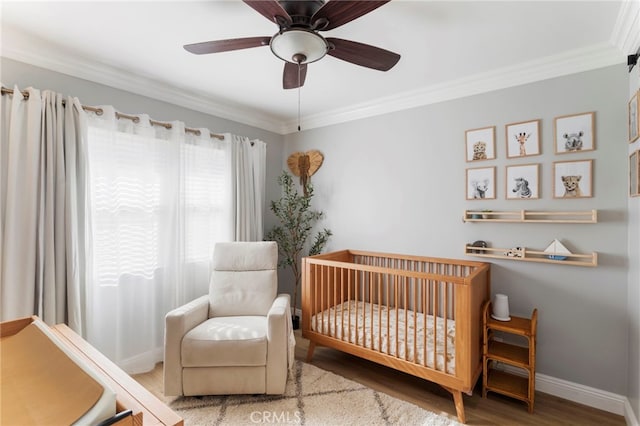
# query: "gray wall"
x,y
633,392
396,183
90,93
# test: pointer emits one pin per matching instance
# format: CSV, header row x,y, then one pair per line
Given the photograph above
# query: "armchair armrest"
x,y
177,323
279,349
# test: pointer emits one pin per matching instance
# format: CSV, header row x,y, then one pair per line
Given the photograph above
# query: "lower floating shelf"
x,y
526,255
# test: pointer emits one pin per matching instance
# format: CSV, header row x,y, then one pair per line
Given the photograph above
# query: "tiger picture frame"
x,y
480,144
522,182
573,179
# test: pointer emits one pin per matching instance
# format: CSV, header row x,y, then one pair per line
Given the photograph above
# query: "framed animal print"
x,y
575,133
481,183
634,174
522,182
634,117
480,144
523,139
573,179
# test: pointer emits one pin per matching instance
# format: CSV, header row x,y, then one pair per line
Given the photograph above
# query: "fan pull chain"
x,y
298,96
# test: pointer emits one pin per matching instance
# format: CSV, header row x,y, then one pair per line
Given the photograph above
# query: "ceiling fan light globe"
x,y
299,43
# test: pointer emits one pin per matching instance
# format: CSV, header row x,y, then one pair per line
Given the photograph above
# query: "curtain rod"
x,y
119,115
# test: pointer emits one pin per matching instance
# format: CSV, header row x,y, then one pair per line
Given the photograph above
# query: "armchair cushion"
x,y
241,293
244,279
226,341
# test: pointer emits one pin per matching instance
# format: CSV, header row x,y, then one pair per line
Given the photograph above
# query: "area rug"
x,y
312,397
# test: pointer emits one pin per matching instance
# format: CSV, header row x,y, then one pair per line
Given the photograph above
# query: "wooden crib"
x,y
416,314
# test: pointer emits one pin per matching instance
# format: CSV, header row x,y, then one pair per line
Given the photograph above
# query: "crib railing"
x,y
408,308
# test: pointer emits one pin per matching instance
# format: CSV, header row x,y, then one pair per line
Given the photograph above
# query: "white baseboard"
x,y
629,415
586,395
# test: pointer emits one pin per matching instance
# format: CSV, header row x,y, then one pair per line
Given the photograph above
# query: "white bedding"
x,y
364,326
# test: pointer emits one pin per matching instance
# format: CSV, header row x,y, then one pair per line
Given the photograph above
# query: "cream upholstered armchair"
x,y
237,339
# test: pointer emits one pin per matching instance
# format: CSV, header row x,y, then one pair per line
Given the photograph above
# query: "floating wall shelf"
x,y
527,255
522,216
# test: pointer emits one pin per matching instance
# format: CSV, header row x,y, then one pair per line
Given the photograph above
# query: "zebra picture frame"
x,y
481,183
522,182
523,139
575,133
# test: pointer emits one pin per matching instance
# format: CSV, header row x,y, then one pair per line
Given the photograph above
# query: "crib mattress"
x,y
374,326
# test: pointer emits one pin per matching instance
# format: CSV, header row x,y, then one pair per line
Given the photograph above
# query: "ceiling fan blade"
x,y
339,12
362,54
270,9
217,46
290,75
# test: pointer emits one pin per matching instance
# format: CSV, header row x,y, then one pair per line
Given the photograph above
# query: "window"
x,y
155,202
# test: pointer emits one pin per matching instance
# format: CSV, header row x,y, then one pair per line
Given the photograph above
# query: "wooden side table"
x,y
496,379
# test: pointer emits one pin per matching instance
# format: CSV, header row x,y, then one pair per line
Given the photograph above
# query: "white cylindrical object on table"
x,y
501,307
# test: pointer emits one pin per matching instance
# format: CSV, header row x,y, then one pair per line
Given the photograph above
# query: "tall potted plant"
x,y
297,219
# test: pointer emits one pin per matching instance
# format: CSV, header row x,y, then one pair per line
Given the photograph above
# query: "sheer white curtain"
x,y
159,200
248,169
42,179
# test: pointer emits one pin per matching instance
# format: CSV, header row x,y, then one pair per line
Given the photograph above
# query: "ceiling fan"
x,y
298,41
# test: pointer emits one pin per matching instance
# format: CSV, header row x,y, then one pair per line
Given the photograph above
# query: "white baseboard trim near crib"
x,y
586,395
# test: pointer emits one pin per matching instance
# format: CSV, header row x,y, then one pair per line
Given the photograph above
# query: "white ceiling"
x,y
449,49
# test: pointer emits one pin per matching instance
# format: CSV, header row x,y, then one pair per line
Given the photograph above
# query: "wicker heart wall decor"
x,y
304,165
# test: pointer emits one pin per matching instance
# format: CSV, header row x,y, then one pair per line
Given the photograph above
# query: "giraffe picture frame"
x,y
523,138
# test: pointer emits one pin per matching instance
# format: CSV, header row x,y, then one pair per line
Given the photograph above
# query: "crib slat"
x,y
435,330
406,317
379,286
415,319
446,330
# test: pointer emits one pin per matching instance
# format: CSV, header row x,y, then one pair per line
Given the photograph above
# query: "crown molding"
x,y
626,31
625,34
571,62
58,60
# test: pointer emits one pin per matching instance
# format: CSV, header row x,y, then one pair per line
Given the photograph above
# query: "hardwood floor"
x,y
494,410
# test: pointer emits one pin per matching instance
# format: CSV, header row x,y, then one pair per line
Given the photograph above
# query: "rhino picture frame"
x,y
481,183
574,133
480,144
573,179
